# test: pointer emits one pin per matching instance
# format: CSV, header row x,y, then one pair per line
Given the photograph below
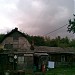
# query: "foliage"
x,y
71,26
38,40
72,43
1,36
57,42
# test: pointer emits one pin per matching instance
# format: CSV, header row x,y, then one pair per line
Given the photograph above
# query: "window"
x,y
8,46
21,60
62,58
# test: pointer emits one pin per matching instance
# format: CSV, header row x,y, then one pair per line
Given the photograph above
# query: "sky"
x,y
36,17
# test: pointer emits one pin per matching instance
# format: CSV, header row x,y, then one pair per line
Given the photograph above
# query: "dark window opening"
x,y
62,58
8,46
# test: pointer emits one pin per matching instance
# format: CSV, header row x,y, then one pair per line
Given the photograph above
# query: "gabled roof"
x,y
14,30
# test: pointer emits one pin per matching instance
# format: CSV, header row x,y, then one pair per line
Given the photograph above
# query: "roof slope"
x,y
14,30
55,49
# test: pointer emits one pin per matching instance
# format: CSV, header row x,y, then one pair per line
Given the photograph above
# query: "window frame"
x,y
20,61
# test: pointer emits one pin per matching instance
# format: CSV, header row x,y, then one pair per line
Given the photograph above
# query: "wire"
x,y
55,30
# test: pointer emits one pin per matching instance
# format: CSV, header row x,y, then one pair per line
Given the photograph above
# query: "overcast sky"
x,y
36,17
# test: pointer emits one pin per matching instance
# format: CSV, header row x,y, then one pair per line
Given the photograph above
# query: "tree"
x,y
71,26
38,40
72,43
1,37
64,42
47,41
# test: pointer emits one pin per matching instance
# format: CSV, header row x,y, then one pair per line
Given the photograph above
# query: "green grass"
x,y
55,71
61,71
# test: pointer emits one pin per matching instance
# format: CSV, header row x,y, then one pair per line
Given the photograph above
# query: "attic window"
x,y
8,46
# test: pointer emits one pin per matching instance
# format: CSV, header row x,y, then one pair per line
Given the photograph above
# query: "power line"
x,y
55,30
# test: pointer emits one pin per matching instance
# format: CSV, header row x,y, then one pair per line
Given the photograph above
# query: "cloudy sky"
x,y
36,17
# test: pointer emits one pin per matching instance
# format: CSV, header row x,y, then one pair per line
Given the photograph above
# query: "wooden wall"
x,y
16,41
69,59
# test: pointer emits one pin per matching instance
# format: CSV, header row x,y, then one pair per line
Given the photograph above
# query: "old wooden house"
x,y
62,57
16,53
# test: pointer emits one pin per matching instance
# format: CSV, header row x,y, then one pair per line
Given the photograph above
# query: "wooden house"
x,y
16,53
62,57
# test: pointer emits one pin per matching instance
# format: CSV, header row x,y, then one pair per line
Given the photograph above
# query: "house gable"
x,y
15,40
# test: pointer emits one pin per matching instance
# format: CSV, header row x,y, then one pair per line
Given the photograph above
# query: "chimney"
x,y
16,29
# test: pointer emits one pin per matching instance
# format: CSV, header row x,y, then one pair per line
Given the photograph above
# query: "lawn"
x,y
55,71
61,71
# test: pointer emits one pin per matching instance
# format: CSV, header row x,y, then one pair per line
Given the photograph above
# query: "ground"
x,y
61,71
55,71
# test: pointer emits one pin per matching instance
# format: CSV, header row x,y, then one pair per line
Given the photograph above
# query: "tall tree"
x,y
72,43
71,26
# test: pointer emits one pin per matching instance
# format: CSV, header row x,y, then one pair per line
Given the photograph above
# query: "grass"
x,y
55,71
61,71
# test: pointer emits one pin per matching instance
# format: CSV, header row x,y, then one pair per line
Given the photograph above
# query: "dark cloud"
x,y
44,16
38,17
